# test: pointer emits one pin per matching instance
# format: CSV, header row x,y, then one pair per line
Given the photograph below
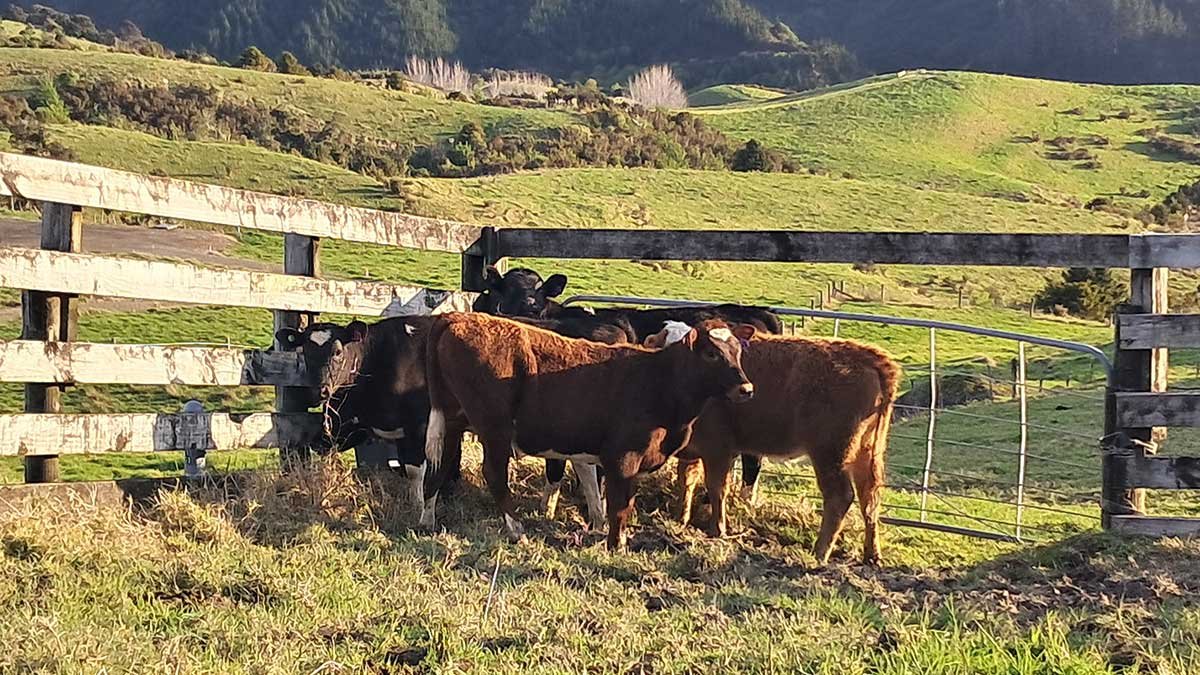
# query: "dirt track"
x,y
205,247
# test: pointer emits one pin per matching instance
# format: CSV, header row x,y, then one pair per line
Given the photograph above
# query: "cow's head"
x,y
715,349
332,353
519,292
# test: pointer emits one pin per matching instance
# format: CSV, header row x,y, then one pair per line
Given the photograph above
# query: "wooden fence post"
x,y
301,255
484,252
46,316
1134,370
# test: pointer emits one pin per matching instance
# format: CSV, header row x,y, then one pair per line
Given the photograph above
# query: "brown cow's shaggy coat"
x,y
828,399
523,389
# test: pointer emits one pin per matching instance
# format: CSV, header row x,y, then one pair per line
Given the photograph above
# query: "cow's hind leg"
x,y
688,474
555,470
867,473
716,482
837,494
589,482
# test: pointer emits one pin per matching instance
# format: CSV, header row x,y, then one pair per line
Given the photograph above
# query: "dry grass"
x,y
313,570
448,76
528,84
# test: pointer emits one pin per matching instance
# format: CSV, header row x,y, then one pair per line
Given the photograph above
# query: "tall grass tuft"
x,y
448,76
518,83
657,87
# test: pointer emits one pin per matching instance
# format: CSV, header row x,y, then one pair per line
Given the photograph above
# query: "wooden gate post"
x,y
46,316
301,255
1134,370
475,260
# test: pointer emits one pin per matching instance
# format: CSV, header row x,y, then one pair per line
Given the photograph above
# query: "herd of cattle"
x,y
621,390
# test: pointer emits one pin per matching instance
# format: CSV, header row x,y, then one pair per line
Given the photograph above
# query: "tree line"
x,y
708,40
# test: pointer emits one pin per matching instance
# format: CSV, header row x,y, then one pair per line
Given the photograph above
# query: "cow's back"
x,y
549,385
807,391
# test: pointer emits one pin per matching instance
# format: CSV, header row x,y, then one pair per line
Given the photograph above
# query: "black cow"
x,y
521,292
371,385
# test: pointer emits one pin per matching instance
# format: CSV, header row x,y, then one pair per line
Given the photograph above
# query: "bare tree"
x,y
449,76
533,85
657,87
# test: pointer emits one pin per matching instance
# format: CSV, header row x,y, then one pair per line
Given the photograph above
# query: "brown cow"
x,y
525,390
828,399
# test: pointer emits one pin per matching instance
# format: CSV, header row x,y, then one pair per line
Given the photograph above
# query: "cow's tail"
x,y
877,439
435,432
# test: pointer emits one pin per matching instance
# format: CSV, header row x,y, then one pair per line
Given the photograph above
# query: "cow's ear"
x,y
656,341
356,331
554,286
744,332
288,338
492,278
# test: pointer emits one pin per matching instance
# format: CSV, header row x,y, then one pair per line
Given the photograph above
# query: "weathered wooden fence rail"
x,y
48,357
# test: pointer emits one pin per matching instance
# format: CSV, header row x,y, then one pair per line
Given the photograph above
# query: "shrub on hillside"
x,y
754,157
657,88
253,58
1085,292
1180,207
1176,147
290,65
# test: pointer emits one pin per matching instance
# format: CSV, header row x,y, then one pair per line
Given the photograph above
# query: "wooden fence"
x,y
48,356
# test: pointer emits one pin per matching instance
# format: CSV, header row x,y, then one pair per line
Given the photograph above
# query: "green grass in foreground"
x,y
312,571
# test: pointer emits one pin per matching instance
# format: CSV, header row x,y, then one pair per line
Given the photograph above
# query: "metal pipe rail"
x,y
1067,345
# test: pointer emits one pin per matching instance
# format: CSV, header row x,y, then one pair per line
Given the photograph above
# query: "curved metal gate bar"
x,y
1019,535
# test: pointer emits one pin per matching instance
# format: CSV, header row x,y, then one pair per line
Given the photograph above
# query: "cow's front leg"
x,y
619,483
497,450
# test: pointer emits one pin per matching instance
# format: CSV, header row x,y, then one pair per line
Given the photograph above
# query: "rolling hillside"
x,y
980,134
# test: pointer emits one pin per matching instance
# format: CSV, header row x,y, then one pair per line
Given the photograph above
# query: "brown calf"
x,y
525,390
828,399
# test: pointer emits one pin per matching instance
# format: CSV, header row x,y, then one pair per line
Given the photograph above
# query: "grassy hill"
x,y
974,133
723,94
363,109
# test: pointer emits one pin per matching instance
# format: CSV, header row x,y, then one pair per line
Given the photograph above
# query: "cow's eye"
x,y
710,356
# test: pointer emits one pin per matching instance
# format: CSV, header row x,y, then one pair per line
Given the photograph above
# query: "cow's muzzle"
x,y
741,393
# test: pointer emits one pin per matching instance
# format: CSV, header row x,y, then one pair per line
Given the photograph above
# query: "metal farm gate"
x,y
924,502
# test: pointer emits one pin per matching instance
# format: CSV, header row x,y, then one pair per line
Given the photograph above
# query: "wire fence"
x,y
1042,479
